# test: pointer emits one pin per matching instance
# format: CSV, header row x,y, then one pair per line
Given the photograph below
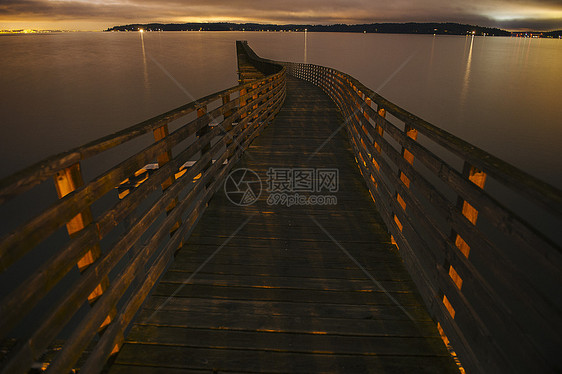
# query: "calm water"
x,y
61,90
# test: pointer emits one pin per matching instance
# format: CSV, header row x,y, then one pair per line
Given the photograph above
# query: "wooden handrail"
x,y
474,260
210,146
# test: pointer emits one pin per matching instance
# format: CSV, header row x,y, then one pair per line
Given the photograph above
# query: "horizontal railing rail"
x,y
490,278
122,249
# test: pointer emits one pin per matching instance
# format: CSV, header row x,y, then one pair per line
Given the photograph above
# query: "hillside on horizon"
x,y
449,28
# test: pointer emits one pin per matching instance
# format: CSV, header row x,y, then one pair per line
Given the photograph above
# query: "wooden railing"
x,y
489,278
151,201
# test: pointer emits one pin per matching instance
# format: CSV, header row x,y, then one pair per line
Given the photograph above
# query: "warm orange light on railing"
x,y
180,174
442,333
477,177
449,307
411,133
462,245
401,201
405,179
124,194
469,212
455,277
398,223
408,156
393,242
66,182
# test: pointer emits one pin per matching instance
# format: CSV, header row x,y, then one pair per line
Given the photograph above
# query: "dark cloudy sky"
x,y
100,14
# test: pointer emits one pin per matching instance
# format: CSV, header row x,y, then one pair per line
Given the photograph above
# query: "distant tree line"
x,y
395,28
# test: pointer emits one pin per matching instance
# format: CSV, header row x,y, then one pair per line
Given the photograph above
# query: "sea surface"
x,y
62,90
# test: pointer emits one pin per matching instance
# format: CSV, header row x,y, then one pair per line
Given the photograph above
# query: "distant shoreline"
x,y
381,28
374,28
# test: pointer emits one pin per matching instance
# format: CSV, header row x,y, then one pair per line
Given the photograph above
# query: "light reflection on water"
x,y
144,65
466,81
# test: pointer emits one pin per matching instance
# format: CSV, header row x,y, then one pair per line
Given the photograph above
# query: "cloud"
x,y
543,14
530,24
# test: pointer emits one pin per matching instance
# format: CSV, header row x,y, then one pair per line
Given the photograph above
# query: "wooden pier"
x,y
202,251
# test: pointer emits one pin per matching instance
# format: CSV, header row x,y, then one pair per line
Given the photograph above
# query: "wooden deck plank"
x,y
281,341
255,361
277,289
259,295
270,303
294,272
258,281
296,324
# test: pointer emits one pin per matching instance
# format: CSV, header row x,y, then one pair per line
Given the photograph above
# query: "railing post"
x,y
243,103
226,100
408,156
382,114
369,102
201,112
163,158
477,177
228,127
254,99
226,114
411,133
66,181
